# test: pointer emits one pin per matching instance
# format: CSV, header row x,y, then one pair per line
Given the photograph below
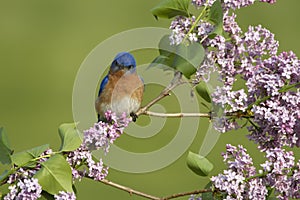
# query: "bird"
x,y
121,90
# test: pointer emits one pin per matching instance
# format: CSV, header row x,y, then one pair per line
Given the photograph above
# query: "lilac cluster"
x,y
240,168
194,197
27,188
81,158
282,174
268,1
100,136
22,183
278,117
269,101
233,4
181,26
62,195
199,3
241,181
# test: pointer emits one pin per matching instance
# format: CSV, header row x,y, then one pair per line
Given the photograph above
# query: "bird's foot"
x,y
133,116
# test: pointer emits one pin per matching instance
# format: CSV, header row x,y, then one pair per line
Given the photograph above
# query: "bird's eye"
x,y
130,66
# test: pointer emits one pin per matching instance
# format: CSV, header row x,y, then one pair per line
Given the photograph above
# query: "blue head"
x,y
123,61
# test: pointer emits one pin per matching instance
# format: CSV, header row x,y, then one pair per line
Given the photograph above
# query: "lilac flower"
x,y
204,70
100,136
236,4
224,124
257,189
82,156
62,195
181,26
268,1
240,167
234,182
278,117
282,173
199,3
258,42
24,189
194,197
240,180
233,4
230,25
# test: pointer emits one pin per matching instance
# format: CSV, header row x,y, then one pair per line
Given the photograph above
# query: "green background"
x,y
42,45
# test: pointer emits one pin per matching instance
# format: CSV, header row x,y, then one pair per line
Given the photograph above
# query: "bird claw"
x,y
133,116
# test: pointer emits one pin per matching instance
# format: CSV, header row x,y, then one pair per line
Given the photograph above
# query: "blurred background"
x,y
42,45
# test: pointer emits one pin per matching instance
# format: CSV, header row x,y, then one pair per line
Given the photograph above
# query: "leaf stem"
x,y
195,23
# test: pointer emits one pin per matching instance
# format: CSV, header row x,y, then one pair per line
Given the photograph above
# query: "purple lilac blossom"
x,y
27,188
278,117
100,136
253,56
62,195
181,26
268,1
240,180
194,197
199,3
282,173
233,4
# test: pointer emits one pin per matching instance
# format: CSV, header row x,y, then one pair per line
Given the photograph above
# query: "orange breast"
x,y
123,93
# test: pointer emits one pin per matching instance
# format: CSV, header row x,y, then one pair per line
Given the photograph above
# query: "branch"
x,y
173,196
205,115
129,190
148,196
166,92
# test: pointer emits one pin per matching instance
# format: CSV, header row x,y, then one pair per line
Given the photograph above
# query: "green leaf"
x,y
208,195
26,157
184,58
202,90
188,58
46,196
21,158
164,46
163,62
5,174
55,175
70,137
5,150
167,53
199,164
171,8
216,17
37,151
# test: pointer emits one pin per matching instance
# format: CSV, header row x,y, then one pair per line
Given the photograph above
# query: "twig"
x,y
166,92
205,115
129,190
148,196
173,196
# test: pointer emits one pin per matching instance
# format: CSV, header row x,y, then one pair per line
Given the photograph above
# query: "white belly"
x,y
125,104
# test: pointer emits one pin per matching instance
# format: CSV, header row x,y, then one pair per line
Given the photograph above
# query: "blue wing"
x,y
103,84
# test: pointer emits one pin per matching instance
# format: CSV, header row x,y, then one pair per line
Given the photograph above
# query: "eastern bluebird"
x,y
122,89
